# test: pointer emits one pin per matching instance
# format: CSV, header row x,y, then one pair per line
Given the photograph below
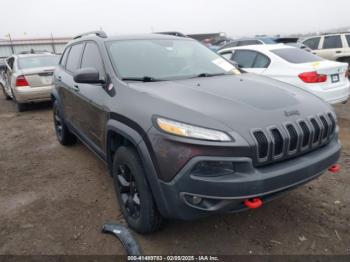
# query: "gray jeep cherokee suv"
x,y
183,132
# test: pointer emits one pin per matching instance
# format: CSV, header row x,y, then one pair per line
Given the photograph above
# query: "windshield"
x,y
296,55
166,59
37,61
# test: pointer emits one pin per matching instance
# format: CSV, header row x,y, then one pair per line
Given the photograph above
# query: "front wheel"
x,y
133,193
64,136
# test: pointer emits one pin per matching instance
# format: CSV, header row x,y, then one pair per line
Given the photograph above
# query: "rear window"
x,y
348,39
296,55
37,61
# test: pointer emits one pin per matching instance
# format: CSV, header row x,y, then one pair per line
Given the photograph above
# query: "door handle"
x,y
338,52
76,88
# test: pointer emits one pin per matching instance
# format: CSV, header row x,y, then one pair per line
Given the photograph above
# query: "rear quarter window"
x,y
348,39
296,55
312,43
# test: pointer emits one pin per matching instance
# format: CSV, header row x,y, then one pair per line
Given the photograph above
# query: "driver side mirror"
x,y
87,75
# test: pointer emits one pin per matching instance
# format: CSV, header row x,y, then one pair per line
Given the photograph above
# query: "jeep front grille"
x,y
293,138
263,144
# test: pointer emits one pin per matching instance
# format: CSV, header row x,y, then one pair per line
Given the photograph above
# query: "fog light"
x,y
212,168
196,200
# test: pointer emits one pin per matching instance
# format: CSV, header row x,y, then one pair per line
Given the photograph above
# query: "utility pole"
x,y
53,44
11,44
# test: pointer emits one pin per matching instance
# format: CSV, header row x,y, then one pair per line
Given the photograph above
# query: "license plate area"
x,y
335,78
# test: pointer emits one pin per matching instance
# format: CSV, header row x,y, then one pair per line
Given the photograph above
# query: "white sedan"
x,y
326,79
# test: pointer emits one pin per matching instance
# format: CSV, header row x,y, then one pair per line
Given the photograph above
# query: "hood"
x,y
240,103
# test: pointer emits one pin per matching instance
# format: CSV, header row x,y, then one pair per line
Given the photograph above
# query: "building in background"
x,y
14,46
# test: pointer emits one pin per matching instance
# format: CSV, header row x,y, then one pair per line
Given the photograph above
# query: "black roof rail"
x,y
100,33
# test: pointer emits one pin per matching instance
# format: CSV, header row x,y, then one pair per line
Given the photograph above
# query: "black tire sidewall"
x,y
67,138
145,223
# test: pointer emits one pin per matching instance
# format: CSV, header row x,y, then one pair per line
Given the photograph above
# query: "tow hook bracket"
x,y
334,169
254,203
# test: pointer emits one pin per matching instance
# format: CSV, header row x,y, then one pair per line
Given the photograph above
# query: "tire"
x,y
133,193
7,97
64,136
21,107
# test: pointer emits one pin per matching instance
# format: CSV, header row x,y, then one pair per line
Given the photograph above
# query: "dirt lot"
x,y
54,200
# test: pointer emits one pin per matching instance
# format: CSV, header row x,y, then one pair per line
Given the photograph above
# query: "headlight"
x,y
185,130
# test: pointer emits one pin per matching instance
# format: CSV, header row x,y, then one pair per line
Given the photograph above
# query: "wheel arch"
x,y
119,134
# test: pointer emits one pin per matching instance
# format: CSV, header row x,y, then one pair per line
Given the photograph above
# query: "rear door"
x,y
90,113
70,62
332,47
251,61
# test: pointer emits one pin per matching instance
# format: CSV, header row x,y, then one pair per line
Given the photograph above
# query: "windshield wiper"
x,y
209,75
141,79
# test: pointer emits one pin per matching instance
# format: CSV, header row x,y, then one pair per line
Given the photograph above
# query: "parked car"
x,y
324,78
28,77
2,72
265,41
334,47
187,135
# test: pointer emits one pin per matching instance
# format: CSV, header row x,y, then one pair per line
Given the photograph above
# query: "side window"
x,y
227,55
261,61
348,39
332,41
249,42
312,43
63,60
244,58
92,58
73,59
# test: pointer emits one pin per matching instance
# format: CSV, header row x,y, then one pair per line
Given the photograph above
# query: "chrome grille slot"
x,y
325,127
333,123
306,134
317,130
263,144
293,135
278,142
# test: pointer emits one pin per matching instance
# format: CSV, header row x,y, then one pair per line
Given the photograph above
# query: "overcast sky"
x,y
235,17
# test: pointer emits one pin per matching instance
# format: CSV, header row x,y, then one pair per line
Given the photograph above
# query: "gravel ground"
x,y
54,200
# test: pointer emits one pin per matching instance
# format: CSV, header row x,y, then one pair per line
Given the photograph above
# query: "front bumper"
x,y
227,193
33,94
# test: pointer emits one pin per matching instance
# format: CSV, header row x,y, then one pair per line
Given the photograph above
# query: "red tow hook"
x,y
334,169
254,203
